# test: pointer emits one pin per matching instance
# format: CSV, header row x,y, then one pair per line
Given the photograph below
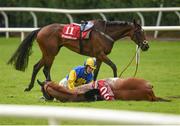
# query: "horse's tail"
x,y
20,58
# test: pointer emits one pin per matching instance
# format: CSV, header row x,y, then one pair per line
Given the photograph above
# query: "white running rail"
x,y
146,28
56,114
69,12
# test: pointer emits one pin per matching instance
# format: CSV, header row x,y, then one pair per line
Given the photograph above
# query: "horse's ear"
x,y
40,83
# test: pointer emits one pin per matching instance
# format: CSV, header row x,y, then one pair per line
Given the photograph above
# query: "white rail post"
x,y
103,16
22,36
34,19
52,121
70,18
6,22
178,14
158,21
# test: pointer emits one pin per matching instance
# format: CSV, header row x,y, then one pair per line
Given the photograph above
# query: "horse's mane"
x,y
117,23
110,23
100,24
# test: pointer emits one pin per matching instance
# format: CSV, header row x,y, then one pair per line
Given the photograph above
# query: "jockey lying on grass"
x,y
80,75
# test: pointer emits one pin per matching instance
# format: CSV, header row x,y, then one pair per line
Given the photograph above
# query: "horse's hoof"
x,y
26,89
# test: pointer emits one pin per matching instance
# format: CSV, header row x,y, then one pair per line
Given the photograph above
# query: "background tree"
x,y
24,19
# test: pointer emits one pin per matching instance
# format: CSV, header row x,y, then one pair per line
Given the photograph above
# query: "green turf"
x,y
160,65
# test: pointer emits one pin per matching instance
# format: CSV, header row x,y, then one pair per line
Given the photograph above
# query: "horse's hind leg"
x,y
47,68
36,69
49,61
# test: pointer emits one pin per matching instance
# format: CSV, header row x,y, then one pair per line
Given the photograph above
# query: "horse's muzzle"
x,y
144,46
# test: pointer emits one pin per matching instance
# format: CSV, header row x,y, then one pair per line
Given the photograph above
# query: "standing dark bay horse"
x,y
123,89
99,45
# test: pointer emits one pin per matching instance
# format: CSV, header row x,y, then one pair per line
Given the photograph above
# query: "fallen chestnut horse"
x,y
122,89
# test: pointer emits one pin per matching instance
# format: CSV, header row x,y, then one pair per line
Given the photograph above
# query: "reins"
x,y
104,34
136,53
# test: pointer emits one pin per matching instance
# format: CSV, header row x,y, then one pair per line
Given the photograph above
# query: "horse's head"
x,y
138,36
45,94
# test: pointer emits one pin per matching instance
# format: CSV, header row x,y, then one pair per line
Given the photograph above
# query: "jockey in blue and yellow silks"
x,y
80,75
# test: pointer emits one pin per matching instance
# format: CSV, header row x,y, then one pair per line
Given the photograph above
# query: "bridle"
x,y
105,22
135,38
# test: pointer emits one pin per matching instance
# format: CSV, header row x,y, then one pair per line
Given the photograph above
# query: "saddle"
x,y
76,31
79,32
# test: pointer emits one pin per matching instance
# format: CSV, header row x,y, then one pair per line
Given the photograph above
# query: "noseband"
x,y
145,42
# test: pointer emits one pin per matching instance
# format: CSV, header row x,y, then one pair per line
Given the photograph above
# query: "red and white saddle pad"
x,y
105,90
72,31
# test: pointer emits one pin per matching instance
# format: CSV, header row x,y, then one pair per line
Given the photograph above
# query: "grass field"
x,y
160,65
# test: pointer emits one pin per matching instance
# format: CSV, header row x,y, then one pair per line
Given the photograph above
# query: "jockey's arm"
x,y
71,80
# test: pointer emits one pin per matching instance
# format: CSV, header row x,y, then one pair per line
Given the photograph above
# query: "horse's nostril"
x,y
145,47
148,46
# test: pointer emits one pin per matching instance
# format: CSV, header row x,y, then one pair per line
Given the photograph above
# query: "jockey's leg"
x,y
64,82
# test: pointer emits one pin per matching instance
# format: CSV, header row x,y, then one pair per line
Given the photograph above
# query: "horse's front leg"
x,y
106,60
98,63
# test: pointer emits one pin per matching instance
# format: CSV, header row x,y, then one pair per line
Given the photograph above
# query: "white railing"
x,y
56,114
21,30
90,11
146,28
69,12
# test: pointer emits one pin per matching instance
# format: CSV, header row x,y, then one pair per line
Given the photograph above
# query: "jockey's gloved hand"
x,y
94,85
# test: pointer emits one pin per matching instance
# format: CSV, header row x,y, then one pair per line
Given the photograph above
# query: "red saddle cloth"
x,y
105,90
72,31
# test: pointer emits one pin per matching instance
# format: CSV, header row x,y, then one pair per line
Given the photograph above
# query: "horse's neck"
x,y
118,31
